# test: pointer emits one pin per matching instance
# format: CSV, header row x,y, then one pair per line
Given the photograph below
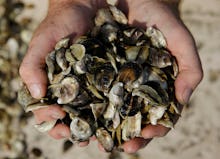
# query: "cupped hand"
x,y
73,18
180,42
64,18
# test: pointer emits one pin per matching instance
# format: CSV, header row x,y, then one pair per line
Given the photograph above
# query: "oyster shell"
x,y
105,139
129,72
50,61
131,127
156,37
156,113
112,2
159,58
80,129
45,126
97,109
28,102
67,90
24,97
78,51
132,52
118,15
60,59
109,32
103,16
116,94
62,43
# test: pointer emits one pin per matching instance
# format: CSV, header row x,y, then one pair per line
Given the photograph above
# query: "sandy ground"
x,y
197,134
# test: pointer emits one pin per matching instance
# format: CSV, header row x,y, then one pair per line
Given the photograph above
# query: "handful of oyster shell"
x,y
112,82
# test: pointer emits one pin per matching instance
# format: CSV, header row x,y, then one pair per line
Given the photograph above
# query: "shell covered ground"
x,y
197,134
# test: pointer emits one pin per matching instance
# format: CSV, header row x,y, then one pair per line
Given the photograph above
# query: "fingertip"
x,y
101,148
37,90
180,88
152,131
48,113
83,144
93,138
132,146
60,131
186,83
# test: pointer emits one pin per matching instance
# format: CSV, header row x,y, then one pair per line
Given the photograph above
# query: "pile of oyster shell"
x,y
112,82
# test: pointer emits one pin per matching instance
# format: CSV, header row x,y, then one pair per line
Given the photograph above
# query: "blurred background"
x,y
196,135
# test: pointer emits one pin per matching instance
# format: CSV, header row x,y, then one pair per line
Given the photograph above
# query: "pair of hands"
x,y
74,17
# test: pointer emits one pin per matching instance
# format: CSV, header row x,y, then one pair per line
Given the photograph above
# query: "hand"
x,y
180,42
64,18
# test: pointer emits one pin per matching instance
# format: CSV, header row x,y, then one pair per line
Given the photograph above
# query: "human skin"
x,y
74,17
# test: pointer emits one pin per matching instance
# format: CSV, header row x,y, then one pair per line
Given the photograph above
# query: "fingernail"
x,y
35,90
186,95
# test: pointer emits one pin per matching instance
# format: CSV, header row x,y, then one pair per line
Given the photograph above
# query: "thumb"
x,y
32,69
185,84
190,69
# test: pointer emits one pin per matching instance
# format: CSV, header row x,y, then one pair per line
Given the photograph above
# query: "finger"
x,y
60,131
48,113
101,148
135,144
190,69
83,144
93,138
152,131
32,69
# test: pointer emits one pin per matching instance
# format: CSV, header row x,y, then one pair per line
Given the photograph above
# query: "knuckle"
x,y
37,113
54,135
198,76
38,118
22,70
